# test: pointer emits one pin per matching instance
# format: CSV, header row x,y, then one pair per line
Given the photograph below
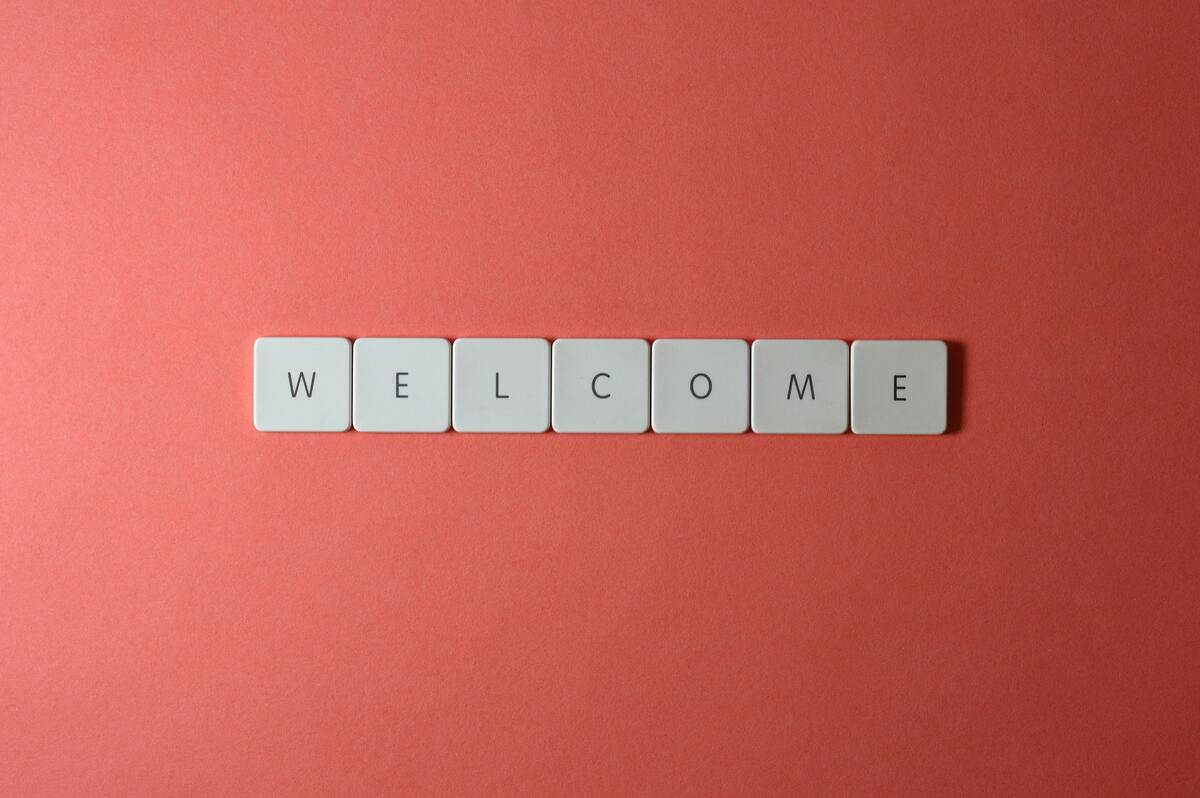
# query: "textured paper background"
x,y
190,607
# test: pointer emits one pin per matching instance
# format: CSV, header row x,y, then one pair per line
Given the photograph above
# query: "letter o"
x,y
707,379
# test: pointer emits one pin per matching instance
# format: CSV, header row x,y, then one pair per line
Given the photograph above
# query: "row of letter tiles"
x,y
609,385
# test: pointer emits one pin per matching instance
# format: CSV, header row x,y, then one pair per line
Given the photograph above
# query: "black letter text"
x,y
597,393
308,382
808,386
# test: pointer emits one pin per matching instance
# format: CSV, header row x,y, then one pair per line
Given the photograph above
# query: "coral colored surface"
x,y
190,607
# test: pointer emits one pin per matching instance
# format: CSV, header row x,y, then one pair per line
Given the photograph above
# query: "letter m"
x,y
806,387
308,383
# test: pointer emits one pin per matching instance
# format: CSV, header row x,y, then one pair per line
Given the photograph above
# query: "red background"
x,y
188,606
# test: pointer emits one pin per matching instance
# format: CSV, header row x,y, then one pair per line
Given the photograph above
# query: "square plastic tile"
x,y
898,387
700,385
501,385
600,385
799,386
402,384
302,384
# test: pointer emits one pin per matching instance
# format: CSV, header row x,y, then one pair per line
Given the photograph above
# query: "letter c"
x,y
597,394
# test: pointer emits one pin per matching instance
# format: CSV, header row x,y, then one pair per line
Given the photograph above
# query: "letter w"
x,y
308,382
